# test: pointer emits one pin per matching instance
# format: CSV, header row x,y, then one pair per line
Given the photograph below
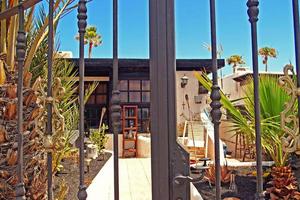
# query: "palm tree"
x,y
235,60
265,53
92,38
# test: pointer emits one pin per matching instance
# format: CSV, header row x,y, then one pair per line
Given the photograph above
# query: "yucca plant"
x,y
34,157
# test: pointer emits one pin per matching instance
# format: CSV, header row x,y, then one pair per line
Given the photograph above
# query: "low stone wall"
x,y
144,144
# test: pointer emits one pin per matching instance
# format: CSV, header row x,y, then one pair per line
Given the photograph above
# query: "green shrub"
x,y
99,137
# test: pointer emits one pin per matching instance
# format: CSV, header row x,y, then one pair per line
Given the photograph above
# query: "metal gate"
x,y
170,162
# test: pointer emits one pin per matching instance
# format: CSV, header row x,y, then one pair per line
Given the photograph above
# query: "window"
x,y
94,105
201,89
137,92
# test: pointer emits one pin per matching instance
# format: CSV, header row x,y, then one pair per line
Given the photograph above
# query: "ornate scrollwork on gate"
x,y
58,121
290,120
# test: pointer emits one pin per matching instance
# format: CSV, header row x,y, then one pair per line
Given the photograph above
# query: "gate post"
x,y
168,158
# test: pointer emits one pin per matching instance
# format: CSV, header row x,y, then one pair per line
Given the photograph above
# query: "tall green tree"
x,y
92,38
266,53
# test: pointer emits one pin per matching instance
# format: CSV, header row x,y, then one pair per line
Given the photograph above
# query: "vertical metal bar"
x,y
115,104
253,12
159,132
297,46
49,95
82,16
21,49
115,45
215,97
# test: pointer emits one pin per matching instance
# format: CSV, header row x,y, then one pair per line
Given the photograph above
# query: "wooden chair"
x,y
195,139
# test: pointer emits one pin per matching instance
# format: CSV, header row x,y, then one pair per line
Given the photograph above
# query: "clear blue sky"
x,y
192,29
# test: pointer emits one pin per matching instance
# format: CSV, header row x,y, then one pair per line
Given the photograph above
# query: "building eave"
x,y
125,64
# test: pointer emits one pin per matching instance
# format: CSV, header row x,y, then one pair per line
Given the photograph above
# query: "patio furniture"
x,y
195,139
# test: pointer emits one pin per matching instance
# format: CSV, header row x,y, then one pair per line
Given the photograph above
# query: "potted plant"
x,y
99,138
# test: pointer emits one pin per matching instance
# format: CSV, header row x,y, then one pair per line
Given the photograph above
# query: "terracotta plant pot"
x,y
11,91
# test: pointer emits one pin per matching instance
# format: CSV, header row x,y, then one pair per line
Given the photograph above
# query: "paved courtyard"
x,y
135,180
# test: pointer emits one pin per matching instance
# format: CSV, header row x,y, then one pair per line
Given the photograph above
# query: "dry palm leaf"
x,y
2,73
11,91
12,157
10,111
4,174
3,135
27,79
30,98
35,113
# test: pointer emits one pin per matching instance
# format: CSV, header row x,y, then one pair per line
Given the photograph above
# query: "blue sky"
x,y
275,28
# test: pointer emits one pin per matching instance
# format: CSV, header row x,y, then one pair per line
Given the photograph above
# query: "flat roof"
x,y
125,64
243,76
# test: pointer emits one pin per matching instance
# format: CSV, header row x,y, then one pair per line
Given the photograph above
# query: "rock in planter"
x,y
91,151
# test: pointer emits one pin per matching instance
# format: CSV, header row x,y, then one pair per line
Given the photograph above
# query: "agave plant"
x,y
225,174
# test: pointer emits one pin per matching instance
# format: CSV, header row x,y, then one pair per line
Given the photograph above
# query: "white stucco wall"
x,y
191,89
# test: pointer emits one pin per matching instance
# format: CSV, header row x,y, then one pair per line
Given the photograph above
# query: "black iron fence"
x,y
170,162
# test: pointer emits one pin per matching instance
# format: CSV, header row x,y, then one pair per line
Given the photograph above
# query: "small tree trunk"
x,y
90,49
266,63
234,68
